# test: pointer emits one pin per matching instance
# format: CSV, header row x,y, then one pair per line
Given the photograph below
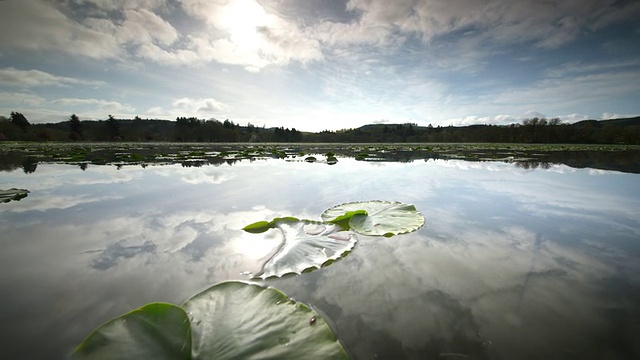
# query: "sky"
x,y
320,65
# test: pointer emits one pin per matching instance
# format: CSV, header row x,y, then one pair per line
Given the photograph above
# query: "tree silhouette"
x,y
114,128
19,120
75,127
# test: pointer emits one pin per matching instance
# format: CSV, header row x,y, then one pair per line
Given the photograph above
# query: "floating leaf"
x,y
306,245
343,220
154,331
235,320
230,320
262,226
13,194
383,218
257,227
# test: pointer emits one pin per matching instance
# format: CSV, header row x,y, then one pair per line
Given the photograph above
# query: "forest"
x,y
16,127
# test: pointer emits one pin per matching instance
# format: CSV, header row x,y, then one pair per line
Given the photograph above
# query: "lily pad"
x,y
230,320
13,194
154,331
307,244
382,218
236,320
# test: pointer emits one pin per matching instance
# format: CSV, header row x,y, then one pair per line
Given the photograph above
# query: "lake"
x,y
519,258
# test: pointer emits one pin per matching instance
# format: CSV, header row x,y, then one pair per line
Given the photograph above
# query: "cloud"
x,y
34,78
143,26
207,105
102,6
571,118
245,34
20,99
54,31
102,105
591,87
576,68
609,116
492,23
204,107
489,120
533,113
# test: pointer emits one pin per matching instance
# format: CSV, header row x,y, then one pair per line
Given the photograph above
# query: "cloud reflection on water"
x,y
511,262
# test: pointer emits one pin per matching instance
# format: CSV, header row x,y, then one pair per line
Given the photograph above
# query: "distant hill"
x,y
623,122
614,131
634,121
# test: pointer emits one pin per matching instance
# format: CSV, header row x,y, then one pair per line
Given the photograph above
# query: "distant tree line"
x,y
16,127
535,130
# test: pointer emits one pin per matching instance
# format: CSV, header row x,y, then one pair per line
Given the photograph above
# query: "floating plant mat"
x,y
13,195
310,244
230,320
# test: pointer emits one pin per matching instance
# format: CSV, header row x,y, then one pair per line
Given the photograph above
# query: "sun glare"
x,y
242,18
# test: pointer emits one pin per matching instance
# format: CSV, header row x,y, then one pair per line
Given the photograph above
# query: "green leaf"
x,y
383,218
230,320
307,245
154,331
236,320
258,227
262,226
343,220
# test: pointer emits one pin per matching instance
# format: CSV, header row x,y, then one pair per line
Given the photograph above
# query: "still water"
x,y
513,263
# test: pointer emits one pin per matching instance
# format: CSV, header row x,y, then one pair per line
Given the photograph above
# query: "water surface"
x,y
513,262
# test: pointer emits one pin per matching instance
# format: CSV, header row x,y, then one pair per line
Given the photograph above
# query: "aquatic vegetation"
x,y
309,244
233,319
377,218
123,154
230,320
13,195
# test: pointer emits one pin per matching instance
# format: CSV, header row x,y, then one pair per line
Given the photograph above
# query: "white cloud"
x,y
20,99
143,27
571,118
32,78
489,120
245,34
609,116
114,5
54,31
102,105
533,113
546,24
575,68
207,105
204,107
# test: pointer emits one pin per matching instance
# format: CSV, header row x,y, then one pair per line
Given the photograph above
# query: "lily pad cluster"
x,y
241,320
310,244
230,320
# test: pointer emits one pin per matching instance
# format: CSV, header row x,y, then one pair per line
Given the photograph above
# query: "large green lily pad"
x,y
230,320
235,320
380,218
307,245
154,331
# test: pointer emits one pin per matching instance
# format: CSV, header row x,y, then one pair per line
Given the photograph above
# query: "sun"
x,y
242,20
